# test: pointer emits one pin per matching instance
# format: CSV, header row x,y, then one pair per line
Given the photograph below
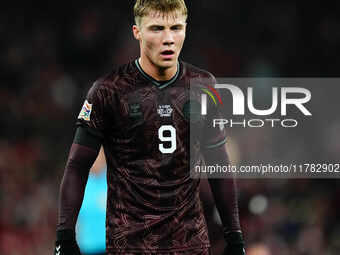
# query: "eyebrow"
x,y
178,25
162,26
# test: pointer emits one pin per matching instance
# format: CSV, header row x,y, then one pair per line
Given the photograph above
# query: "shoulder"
x,y
117,79
194,72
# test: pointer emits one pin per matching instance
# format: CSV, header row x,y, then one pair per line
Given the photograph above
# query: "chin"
x,y
167,64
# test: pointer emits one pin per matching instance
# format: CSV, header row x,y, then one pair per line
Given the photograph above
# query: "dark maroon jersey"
x,y
152,203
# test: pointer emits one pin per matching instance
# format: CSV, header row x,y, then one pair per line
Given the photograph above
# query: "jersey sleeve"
x,y
96,112
214,135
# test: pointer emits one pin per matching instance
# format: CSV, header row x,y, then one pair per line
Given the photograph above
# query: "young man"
x,y
139,113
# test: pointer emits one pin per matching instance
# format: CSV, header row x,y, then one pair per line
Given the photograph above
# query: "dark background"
x,y
51,52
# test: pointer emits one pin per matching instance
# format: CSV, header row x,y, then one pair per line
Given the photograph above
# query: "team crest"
x,y
85,111
164,110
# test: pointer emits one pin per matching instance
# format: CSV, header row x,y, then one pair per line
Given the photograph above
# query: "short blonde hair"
x,y
144,7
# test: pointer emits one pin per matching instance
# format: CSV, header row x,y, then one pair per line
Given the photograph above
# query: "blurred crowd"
x,y
51,52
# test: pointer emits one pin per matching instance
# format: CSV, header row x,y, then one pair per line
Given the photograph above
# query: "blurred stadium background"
x,y
51,52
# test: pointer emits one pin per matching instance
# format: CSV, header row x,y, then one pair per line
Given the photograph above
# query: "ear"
x,y
136,32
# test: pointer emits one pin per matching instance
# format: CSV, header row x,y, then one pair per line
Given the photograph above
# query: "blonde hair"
x,y
144,7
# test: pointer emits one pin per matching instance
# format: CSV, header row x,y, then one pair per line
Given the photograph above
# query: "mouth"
x,y
167,53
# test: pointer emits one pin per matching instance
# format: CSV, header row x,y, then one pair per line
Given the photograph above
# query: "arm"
x,y
224,191
83,153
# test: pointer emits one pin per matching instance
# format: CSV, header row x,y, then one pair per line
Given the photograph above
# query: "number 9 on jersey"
x,y
172,139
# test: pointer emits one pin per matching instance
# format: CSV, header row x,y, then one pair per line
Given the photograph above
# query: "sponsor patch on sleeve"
x,y
85,111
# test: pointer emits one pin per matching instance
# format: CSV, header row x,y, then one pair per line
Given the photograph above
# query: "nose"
x,y
168,38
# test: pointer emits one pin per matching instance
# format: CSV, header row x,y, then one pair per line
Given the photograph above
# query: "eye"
x,y
178,27
156,28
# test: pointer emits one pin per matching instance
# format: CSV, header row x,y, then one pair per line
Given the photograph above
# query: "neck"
x,y
158,73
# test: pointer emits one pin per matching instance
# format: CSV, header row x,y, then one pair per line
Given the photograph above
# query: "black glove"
x,y
66,243
235,243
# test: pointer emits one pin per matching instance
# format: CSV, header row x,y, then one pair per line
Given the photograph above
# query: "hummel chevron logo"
x,y
57,250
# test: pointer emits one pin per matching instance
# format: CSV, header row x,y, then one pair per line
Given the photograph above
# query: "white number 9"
x,y
171,138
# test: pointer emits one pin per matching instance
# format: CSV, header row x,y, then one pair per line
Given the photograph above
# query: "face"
x,y
161,38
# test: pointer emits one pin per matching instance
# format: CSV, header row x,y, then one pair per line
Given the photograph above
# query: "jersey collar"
x,y
158,84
